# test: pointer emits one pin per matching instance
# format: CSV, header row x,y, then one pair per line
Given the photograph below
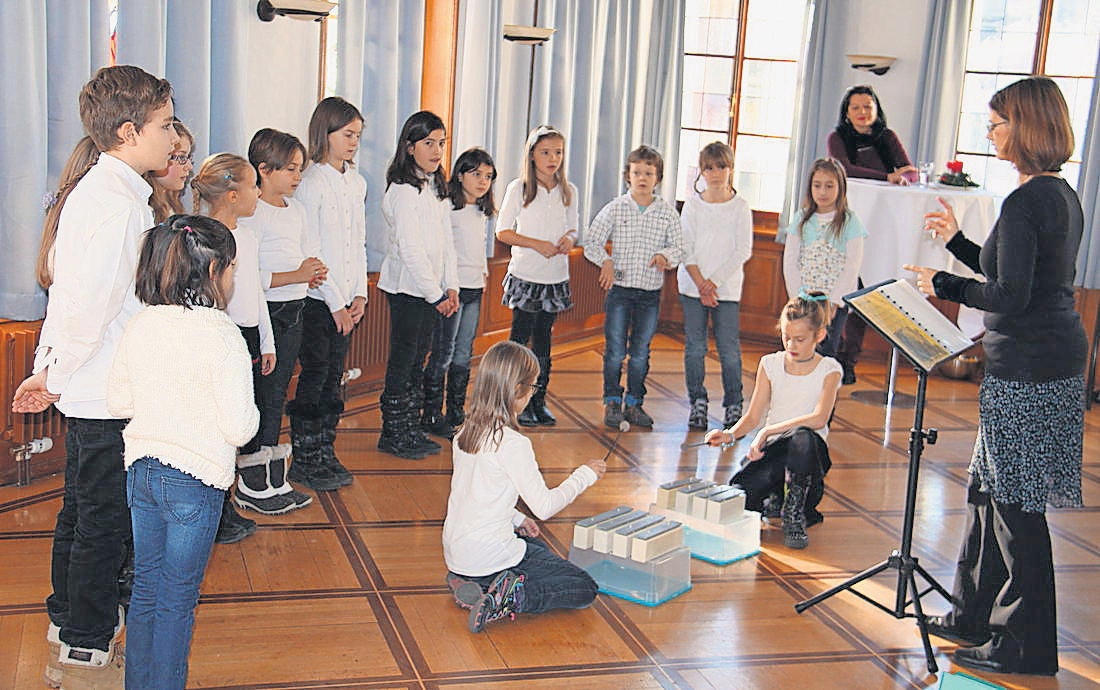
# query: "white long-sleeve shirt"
x,y
420,259
92,296
337,223
247,305
470,231
545,218
479,532
284,244
717,239
184,376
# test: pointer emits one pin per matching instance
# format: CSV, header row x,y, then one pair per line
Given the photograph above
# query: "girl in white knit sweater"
x,y
183,375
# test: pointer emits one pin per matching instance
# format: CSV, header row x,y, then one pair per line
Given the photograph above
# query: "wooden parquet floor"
x,y
349,593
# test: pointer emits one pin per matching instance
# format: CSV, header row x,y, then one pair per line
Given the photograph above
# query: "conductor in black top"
x,y
1031,402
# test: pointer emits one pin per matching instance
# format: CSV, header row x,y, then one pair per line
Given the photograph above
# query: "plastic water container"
x,y
651,583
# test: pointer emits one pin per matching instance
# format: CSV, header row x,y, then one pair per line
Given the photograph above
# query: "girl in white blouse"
x,y
225,188
539,218
419,276
334,196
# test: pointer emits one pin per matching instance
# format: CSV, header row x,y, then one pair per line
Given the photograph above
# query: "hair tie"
x,y
228,176
807,297
188,229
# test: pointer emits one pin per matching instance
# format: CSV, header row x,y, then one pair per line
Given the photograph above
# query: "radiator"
x,y
18,340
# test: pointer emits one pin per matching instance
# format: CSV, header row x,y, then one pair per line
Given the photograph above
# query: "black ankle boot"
x,y
458,379
538,400
307,465
794,515
528,416
395,438
232,528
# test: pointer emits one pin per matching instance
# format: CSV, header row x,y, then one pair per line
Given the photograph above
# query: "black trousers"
x,y
1004,582
251,335
798,451
321,356
411,323
532,329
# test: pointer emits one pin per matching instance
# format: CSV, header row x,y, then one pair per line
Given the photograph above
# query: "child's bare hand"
x,y
659,262
310,268
31,396
357,309
717,437
344,322
607,275
267,363
598,466
566,243
528,528
546,248
708,299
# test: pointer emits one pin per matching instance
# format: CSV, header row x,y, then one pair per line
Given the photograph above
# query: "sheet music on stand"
x,y
909,322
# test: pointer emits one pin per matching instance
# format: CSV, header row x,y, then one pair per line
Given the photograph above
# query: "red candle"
x,y
955,166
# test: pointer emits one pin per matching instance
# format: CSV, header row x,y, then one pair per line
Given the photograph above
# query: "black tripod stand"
x,y
901,559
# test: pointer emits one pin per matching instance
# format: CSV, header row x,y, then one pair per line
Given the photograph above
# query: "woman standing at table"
x,y
867,149
1031,403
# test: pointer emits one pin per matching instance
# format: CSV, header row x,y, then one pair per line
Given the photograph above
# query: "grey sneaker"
x,y
637,417
504,599
732,416
613,414
466,592
697,418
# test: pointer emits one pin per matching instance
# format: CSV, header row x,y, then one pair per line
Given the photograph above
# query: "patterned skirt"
x,y
532,297
1029,444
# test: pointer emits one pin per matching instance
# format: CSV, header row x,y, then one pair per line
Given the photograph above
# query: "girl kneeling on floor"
x,y
496,566
794,396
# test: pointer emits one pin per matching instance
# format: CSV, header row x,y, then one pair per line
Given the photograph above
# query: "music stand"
x,y
926,337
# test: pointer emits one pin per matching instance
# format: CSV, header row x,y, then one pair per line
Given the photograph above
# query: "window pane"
x,y
1074,35
689,158
977,89
1078,95
695,34
768,95
1002,35
775,29
706,92
994,175
760,171
722,36
1072,173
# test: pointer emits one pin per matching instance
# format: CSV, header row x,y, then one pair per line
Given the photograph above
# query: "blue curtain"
x,y
39,124
1088,188
814,114
610,78
378,68
940,93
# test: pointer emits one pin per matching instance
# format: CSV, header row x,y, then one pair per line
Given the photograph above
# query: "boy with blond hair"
x,y
128,114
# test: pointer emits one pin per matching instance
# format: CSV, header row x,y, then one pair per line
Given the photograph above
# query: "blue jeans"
x,y
726,318
175,518
629,324
469,314
551,583
92,534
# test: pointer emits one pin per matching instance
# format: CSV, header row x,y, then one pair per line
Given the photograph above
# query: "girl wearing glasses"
x,y
168,184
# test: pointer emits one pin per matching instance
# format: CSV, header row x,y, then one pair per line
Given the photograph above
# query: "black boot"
x,y
528,417
329,420
254,490
413,431
538,400
232,527
307,466
395,439
458,379
794,515
432,419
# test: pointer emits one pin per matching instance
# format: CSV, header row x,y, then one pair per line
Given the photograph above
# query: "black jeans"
x,y
286,323
251,335
92,534
828,347
798,451
532,329
321,356
411,322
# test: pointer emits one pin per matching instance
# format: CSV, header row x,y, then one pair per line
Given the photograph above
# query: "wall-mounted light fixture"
x,y
878,64
306,10
527,35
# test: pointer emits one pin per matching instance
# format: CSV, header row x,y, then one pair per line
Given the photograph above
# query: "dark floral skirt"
x,y
1029,444
532,297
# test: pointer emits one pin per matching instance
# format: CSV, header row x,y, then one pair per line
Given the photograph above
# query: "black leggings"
x,y
800,451
532,328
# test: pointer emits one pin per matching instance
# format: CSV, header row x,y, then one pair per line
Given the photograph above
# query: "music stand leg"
x,y
901,559
890,397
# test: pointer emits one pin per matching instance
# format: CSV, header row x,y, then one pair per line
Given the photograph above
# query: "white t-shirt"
x,y
794,396
717,239
479,532
247,305
283,236
471,229
545,218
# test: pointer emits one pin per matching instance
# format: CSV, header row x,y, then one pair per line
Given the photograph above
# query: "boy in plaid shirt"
x,y
646,241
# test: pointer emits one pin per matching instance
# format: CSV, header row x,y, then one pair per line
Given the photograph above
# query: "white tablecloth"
x,y
894,218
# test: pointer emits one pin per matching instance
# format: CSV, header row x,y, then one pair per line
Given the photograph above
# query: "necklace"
x,y
803,361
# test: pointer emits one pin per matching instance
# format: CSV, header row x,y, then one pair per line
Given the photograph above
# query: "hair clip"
x,y
49,199
807,297
228,176
188,228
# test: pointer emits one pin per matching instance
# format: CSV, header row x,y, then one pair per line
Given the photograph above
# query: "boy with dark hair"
x,y
128,114
645,242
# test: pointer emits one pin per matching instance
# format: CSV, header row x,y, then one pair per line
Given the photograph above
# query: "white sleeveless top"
x,y
792,395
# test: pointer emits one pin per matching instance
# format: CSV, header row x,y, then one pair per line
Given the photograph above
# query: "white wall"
x,y
879,27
